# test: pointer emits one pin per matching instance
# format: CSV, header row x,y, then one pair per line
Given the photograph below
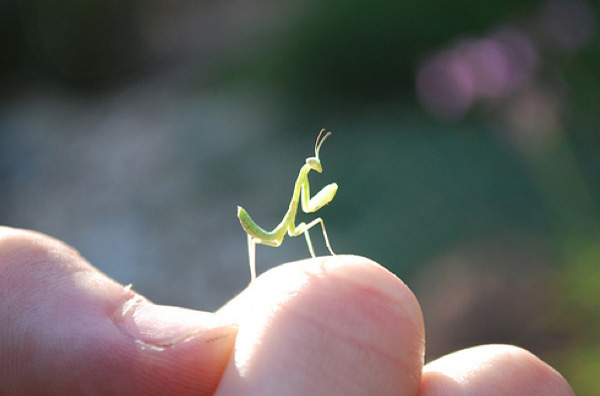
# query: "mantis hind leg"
x,y
252,257
303,228
252,242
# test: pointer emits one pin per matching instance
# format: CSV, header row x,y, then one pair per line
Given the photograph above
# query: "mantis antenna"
x,y
301,195
319,143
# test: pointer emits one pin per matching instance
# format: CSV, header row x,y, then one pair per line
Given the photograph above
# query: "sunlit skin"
x,y
336,325
258,235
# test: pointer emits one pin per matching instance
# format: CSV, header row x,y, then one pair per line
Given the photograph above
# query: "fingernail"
x,y
163,325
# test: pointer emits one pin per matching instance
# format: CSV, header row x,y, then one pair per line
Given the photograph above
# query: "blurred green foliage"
x,y
80,43
346,51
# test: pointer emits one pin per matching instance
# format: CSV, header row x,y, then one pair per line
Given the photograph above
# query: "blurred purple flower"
x,y
490,68
445,85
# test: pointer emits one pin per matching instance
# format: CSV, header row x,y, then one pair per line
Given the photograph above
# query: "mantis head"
x,y
315,162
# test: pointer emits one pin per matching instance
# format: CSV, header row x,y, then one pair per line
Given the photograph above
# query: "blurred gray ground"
x,y
139,182
143,178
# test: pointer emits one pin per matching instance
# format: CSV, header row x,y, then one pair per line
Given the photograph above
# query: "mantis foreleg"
x,y
322,198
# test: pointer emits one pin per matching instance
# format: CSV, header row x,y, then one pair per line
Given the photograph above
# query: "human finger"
x,y
338,325
67,329
492,370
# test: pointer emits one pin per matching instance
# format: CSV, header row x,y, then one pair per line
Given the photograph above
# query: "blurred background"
x,y
466,144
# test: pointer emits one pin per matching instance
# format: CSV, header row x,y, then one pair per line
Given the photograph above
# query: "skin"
x,y
324,326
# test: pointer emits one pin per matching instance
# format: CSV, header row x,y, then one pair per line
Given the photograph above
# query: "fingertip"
x,y
495,370
341,323
192,366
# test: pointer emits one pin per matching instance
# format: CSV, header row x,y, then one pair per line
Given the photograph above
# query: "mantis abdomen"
x,y
251,228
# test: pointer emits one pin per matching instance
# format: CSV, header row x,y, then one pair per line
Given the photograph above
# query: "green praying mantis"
x,y
257,235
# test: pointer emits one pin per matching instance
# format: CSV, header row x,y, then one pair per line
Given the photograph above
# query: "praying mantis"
x,y
274,238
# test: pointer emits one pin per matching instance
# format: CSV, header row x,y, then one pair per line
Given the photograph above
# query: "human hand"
x,y
339,325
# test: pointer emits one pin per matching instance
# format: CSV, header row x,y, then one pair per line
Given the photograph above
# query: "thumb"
x,y
341,325
68,329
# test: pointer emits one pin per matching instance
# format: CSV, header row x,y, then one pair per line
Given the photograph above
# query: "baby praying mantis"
x,y
257,235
